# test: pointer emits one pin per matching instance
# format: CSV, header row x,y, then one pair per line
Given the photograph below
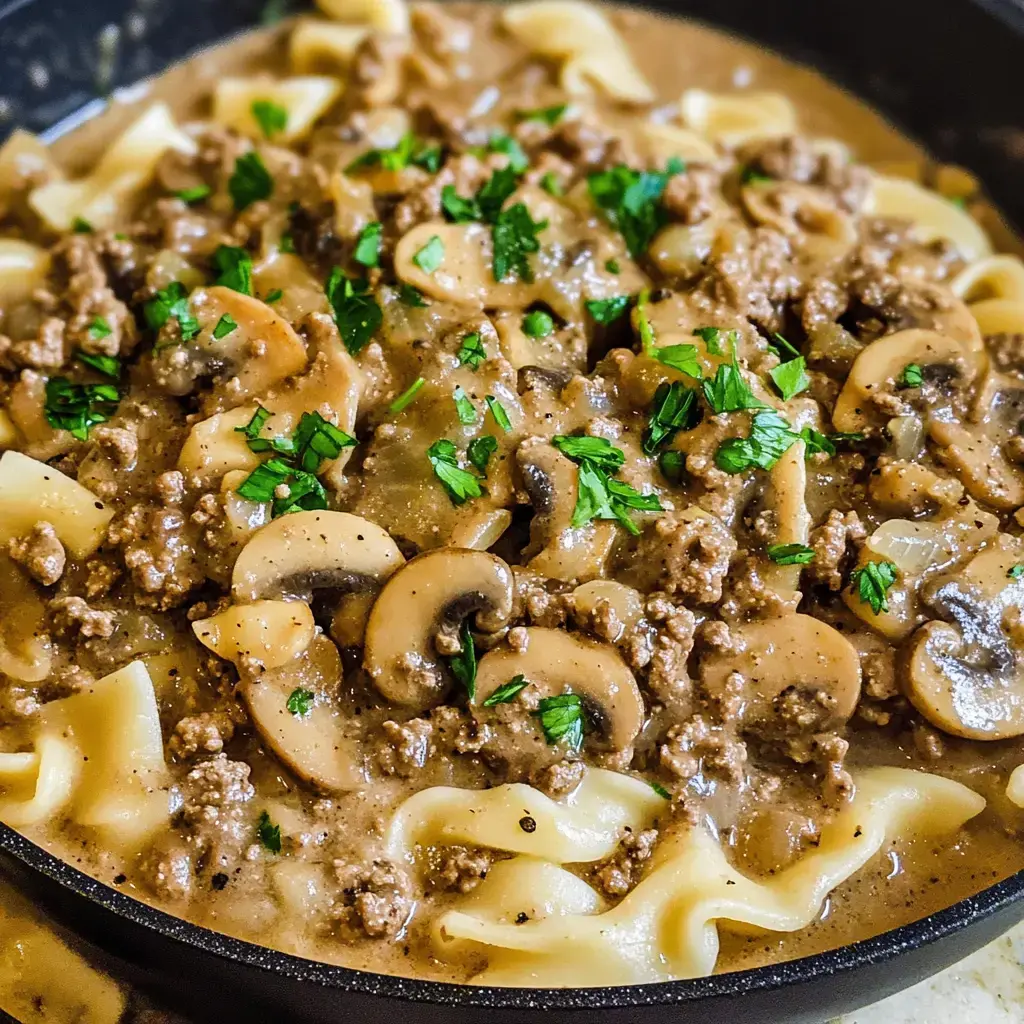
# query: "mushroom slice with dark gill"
x,y
432,592
966,675
556,661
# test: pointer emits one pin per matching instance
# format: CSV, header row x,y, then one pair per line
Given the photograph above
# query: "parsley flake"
x,y
612,266
515,236
518,161
458,209
356,311
404,400
269,834
770,438
507,691
605,311
499,414
234,266
108,366
673,409
550,183
712,338
872,581
463,664
275,296
410,296
367,251
460,484
672,465
471,352
538,324
408,151
80,226
194,194
561,717
779,343
300,702
480,451
912,376
547,115
77,408
99,328
464,407
251,181
431,256
790,378
631,201
660,790
1016,572
271,117
790,554
728,391
171,302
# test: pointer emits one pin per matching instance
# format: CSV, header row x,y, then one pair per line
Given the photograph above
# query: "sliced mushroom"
x,y
261,635
555,661
313,744
558,549
884,360
966,675
979,463
788,498
305,551
262,350
621,607
435,590
795,654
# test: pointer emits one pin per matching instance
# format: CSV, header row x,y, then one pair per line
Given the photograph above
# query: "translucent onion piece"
x,y
913,547
907,433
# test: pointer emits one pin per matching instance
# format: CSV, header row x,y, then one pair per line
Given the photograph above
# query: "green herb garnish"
x,y
660,790
480,451
193,195
367,251
712,338
507,691
271,117
269,833
515,237
507,145
471,352
108,366
460,484
80,226
631,201
548,115
727,391
77,408
790,378
872,581
410,296
605,311
790,554
550,183
408,151
171,302
770,438
464,407
674,409
561,717
430,257
499,414
234,266
1016,572
463,664
356,311
912,376
250,182
300,702
406,397
672,465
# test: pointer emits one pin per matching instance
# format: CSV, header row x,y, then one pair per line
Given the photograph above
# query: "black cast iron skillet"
x,y
951,73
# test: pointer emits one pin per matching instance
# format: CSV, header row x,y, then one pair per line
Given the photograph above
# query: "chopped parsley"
x,y
612,266
456,208
550,183
171,302
790,378
410,296
538,324
816,442
491,196
912,376
770,438
712,338
499,413
507,691
605,311
404,400
727,391
463,664
409,151
80,226
1016,572
660,790
547,115
367,251
872,581
195,194
234,266
78,407
356,311
674,409
300,702
224,327
598,496
561,717
480,451
631,201
271,117
471,352
672,465
430,257
274,296
301,491
682,358
515,236
790,554
750,175
779,343
464,407
252,429
460,484
108,366
99,328
269,834
518,161
250,182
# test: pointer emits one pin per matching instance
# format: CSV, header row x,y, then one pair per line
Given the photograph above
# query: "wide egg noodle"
x,y
667,927
586,826
100,760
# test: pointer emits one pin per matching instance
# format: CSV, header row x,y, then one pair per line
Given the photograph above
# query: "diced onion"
x,y
907,433
912,547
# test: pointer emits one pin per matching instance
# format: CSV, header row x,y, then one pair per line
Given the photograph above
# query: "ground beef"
x,y
169,488
167,870
750,595
559,779
542,602
44,352
71,615
457,869
830,542
40,552
406,746
698,746
120,444
202,734
375,900
691,197
159,553
617,875
687,557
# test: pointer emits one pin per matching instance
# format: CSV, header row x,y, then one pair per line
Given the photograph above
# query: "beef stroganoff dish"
x,y
520,494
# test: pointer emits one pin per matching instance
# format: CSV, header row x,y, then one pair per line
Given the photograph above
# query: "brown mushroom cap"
x,y
435,589
314,745
793,653
966,676
557,661
304,551
886,358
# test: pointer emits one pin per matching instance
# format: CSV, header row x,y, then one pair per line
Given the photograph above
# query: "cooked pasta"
x,y
486,496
